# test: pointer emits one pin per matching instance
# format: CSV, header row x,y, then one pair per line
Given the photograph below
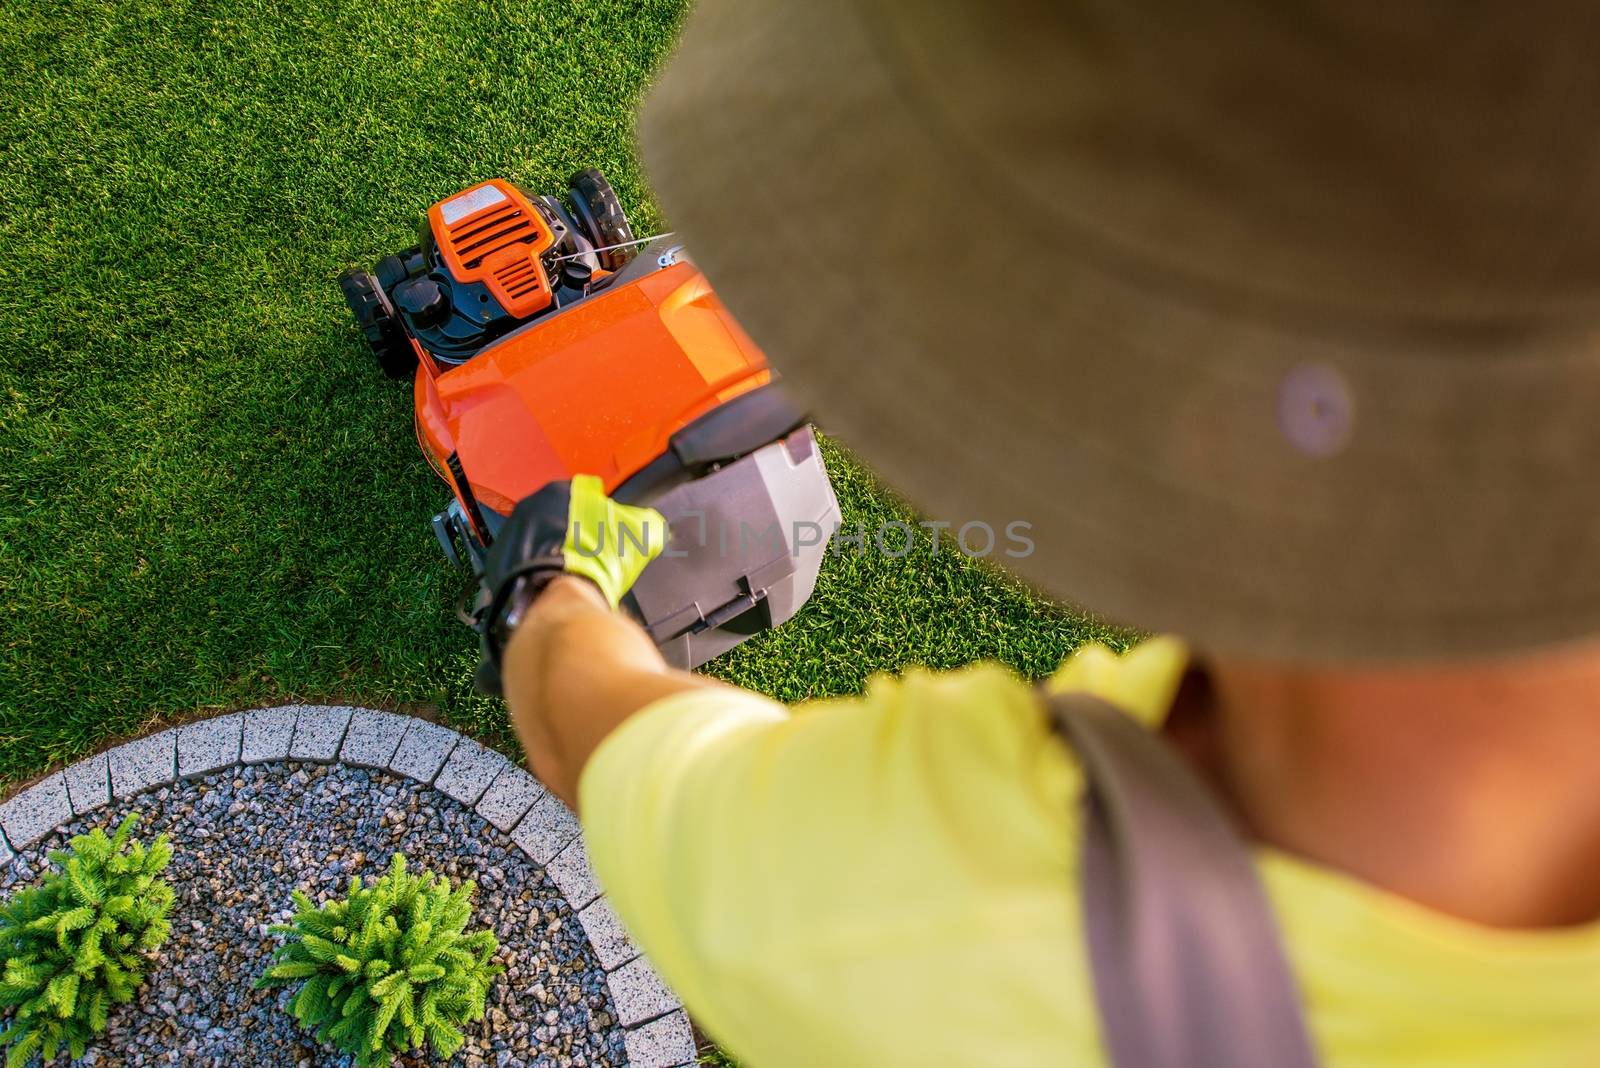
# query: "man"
x,y
1279,324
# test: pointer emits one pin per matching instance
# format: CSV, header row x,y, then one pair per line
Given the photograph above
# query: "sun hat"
x,y
1279,324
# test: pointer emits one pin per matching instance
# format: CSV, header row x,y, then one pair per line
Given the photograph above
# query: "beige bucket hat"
x,y
1279,323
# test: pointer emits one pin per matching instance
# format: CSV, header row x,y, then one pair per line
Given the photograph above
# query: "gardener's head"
x,y
1278,322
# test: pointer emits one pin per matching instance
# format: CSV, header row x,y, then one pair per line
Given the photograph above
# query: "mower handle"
x,y
727,433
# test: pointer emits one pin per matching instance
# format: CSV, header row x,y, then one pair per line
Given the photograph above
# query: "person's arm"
x,y
571,667
574,671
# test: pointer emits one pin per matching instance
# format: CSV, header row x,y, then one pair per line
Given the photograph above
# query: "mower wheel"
x,y
600,214
390,272
376,319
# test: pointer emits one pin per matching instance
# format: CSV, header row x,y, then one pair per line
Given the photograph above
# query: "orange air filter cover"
x,y
492,234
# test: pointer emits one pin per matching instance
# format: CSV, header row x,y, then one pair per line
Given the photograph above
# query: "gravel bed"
x,y
245,837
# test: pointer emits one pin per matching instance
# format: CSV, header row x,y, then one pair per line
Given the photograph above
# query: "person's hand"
x,y
569,528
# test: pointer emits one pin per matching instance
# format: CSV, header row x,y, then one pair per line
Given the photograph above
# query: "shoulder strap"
x,y
1188,968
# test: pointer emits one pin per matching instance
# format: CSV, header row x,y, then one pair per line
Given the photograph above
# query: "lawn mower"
x,y
544,340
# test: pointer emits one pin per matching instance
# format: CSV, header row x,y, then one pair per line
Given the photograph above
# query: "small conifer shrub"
x,y
389,966
78,943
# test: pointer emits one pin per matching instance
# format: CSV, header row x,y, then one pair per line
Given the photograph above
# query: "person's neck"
x,y
1473,789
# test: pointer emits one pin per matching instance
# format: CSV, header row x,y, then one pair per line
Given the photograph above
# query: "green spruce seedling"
x,y
78,943
387,967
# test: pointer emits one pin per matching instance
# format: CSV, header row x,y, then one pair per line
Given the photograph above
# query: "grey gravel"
x,y
245,837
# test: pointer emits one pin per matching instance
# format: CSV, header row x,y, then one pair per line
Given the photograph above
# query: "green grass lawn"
x,y
209,498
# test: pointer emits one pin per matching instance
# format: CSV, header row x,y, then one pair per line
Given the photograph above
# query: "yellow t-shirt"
x,y
891,879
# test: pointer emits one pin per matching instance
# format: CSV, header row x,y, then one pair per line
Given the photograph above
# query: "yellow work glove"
x,y
571,528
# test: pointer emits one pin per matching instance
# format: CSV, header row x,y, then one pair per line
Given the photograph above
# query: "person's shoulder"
x,y
1143,681
981,686
982,721
925,720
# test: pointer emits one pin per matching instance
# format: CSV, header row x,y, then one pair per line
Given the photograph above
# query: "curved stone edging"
x,y
655,1027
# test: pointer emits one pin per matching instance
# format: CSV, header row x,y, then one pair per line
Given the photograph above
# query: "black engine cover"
x,y
453,319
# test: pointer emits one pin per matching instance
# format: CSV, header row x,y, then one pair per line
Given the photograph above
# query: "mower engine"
x,y
543,341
